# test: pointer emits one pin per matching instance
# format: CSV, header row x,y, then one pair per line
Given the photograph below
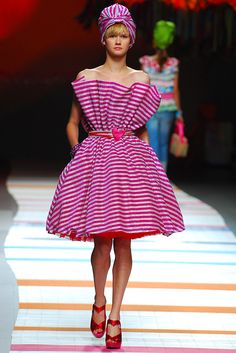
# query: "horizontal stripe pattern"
x,y
173,285
114,186
60,330
162,79
130,307
140,330
131,349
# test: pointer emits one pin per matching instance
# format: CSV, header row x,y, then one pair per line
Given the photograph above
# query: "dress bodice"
x,y
108,105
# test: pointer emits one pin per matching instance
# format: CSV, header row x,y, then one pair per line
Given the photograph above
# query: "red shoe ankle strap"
x,y
98,309
113,322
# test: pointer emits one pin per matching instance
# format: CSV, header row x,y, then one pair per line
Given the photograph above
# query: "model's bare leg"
x,y
100,260
121,272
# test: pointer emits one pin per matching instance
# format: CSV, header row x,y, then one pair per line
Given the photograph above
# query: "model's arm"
x,y
177,97
72,127
142,132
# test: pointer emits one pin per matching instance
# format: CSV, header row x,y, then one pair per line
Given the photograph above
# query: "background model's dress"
x,y
114,188
160,124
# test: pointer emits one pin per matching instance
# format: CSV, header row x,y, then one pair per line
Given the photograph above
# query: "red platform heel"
x,y
113,341
102,325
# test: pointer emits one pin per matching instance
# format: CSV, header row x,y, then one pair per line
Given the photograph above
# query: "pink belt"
x,y
114,133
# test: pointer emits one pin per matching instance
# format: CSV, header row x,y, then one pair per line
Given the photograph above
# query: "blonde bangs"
x,y
116,29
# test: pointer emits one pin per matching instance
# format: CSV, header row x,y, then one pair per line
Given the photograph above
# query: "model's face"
x,y
117,41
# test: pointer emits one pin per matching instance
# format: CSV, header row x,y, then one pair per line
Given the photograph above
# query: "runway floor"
x,y
181,295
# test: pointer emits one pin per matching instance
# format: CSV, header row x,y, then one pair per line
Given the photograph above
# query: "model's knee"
x,y
103,247
122,247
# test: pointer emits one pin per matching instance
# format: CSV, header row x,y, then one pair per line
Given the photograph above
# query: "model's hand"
x,y
180,119
74,149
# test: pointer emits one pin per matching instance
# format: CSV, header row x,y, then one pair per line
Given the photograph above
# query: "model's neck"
x,y
161,52
115,65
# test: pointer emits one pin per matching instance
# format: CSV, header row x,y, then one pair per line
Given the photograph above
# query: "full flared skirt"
x,y
114,189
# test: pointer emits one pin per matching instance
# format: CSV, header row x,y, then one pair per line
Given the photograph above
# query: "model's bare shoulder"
x,y
80,74
141,76
152,57
90,74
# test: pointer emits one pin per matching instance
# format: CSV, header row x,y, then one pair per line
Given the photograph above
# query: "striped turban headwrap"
x,y
116,14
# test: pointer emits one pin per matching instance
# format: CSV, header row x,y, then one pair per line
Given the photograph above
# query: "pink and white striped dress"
x,y
114,188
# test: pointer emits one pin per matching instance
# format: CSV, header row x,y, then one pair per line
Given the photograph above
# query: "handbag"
x,y
178,142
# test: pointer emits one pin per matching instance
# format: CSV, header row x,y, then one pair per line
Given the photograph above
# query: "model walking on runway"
x,y
114,189
163,71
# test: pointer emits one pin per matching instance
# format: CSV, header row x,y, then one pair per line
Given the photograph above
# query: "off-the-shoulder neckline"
x,y
114,82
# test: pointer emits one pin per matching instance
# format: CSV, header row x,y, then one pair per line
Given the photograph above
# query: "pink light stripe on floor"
x,y
130,349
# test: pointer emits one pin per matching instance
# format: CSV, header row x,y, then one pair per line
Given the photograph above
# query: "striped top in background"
x,y
163,80
114,188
